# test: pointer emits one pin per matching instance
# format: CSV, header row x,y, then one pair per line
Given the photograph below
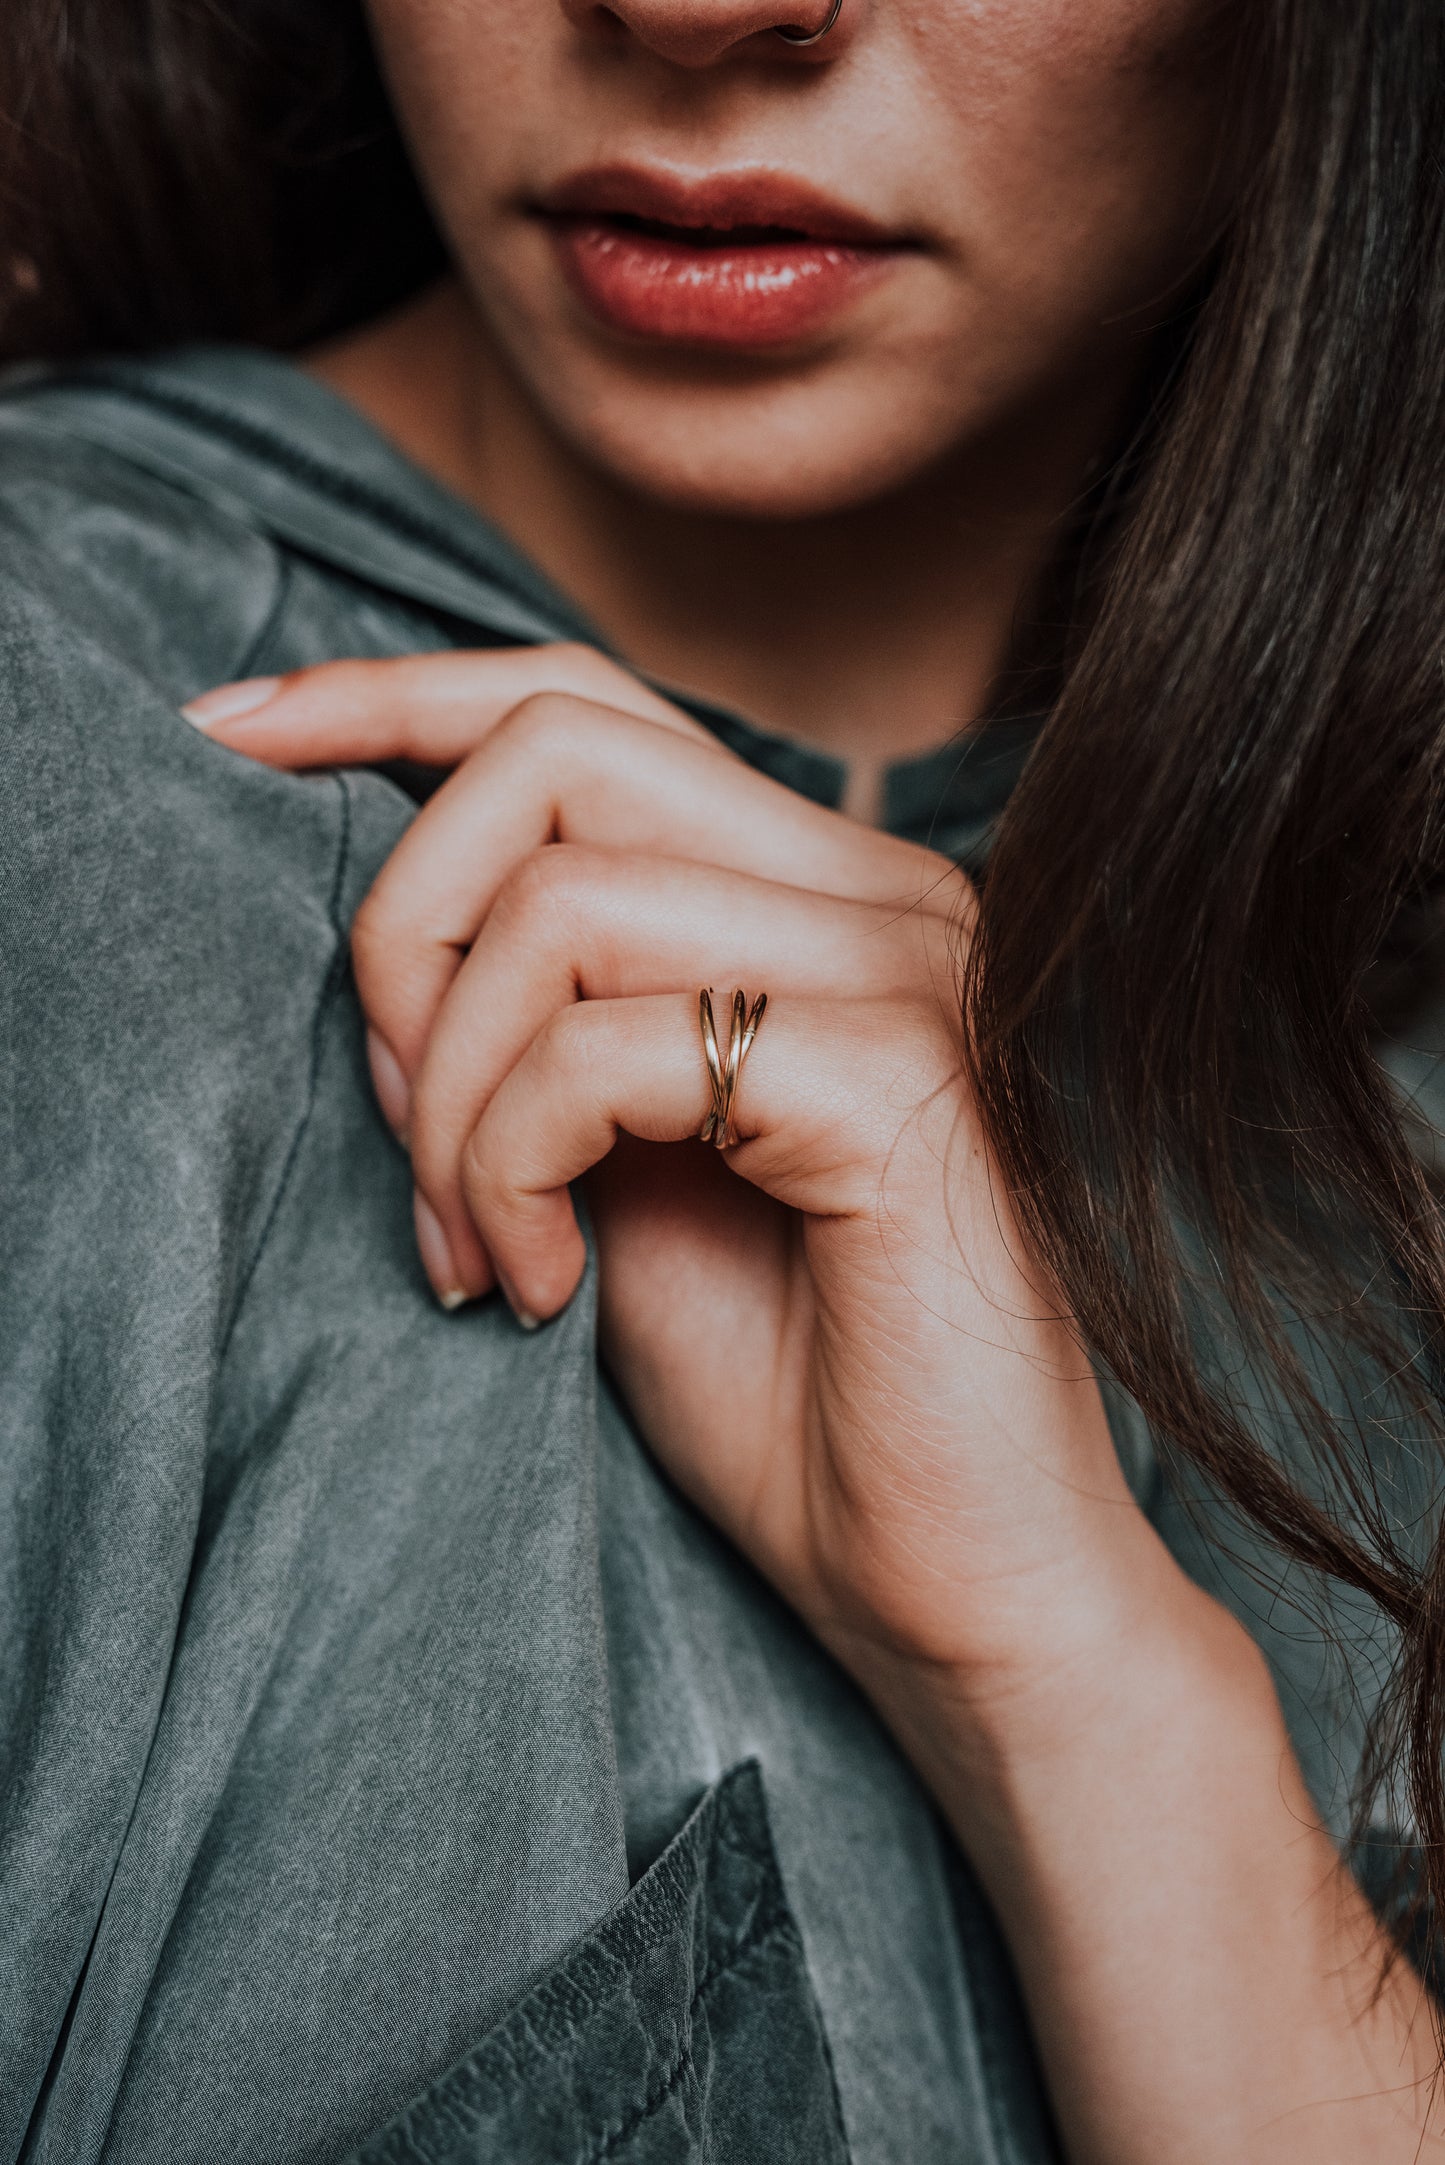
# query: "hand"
x,y
830,1333
833,1339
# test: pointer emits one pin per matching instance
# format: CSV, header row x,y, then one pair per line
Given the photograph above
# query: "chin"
x,y
784,452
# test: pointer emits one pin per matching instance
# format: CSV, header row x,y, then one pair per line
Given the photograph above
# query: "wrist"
x,y
1118,1660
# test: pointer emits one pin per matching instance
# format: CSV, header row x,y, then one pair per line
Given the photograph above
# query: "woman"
x,y
399,1764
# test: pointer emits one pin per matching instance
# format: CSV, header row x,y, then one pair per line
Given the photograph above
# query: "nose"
x,y
699,33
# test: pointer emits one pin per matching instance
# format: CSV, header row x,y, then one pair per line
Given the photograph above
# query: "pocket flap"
x,y
683,2028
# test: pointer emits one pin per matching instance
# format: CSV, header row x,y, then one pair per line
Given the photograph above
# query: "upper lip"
x,y
751,198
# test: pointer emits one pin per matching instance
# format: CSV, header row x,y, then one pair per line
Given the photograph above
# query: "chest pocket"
x,y
682,2031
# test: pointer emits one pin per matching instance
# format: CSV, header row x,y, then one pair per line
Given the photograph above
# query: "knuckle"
x,y
914,960
592,675
548,885
555,735
946,891
570,1033
386,943
544,722
568,1039
548,724
585,665
961,896
907,1050
493,1185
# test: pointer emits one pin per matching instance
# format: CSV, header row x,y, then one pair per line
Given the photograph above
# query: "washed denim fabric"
x,y
392,1766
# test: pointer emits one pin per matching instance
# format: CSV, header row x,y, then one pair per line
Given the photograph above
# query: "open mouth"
x,y
703,263
705,236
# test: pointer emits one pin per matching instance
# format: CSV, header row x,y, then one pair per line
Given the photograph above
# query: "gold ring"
x,y
717,1127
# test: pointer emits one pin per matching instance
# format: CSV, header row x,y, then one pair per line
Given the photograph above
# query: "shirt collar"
x,y
251,430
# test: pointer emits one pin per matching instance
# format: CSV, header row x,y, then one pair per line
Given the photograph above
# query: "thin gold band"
x,y
717,1127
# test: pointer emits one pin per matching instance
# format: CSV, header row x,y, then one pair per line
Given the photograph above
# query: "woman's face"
x,y
748,276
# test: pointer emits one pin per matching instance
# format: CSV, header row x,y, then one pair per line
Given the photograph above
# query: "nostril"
x,y
699,33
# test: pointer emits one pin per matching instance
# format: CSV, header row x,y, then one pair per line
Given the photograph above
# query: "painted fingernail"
x,y
388,1079
436,1254
228,701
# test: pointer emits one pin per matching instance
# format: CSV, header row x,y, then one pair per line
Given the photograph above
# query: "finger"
x,y
824,1090
578,924
562,770
431,709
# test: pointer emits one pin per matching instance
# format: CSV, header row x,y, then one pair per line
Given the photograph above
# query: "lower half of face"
x,y
745,275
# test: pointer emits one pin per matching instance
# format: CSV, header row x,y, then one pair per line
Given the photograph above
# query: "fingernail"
x,y
229,700
436,1254
388,1080
524,1316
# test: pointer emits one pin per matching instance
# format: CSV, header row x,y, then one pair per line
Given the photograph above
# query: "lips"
x,y
741,261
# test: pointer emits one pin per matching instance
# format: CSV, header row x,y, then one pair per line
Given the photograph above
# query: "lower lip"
x,y
755,294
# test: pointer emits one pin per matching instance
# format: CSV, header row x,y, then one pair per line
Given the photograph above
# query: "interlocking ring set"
x,y
723,1073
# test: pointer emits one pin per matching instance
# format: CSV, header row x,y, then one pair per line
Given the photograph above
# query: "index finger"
x,y
431,709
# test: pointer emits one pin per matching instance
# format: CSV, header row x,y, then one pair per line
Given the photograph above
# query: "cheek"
x,y
1087,57
1083,134
469,79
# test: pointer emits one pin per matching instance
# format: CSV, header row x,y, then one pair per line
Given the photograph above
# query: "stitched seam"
x,y
654,2102
331,984
681,2069
465,2089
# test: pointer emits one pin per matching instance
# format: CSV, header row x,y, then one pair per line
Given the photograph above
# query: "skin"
x,y
834,539
831,1333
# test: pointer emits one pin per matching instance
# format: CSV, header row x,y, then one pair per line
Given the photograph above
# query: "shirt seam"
x,y
753,1943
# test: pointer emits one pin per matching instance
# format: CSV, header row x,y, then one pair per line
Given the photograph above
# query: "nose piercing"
x,y
791,34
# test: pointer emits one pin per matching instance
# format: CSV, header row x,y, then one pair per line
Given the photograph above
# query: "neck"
x,y
873,633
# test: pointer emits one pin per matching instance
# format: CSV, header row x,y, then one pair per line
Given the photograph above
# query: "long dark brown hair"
x,y
1223,864
1224,851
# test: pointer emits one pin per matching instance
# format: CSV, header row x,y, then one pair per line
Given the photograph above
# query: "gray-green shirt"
x,y
384,1745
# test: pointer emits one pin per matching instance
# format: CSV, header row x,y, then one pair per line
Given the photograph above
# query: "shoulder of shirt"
x,y
169,583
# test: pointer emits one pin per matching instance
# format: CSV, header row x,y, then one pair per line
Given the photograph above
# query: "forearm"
x,y
1202,1973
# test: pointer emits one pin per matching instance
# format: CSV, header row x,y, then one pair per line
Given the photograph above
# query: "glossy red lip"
x,y
741,260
